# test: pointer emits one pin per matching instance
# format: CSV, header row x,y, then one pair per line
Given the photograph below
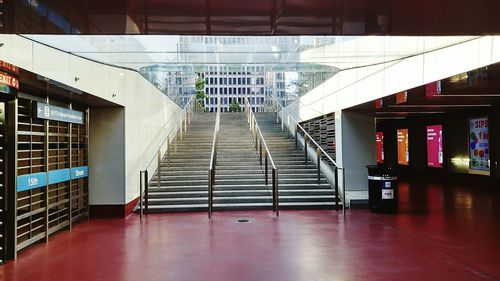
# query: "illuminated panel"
x,y
403,153
435,146
380,147
479,152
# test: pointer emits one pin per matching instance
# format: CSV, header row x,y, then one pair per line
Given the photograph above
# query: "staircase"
x,y
184,173
239,177
298,183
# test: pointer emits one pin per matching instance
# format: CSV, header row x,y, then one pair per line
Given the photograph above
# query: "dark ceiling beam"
x,y
207,19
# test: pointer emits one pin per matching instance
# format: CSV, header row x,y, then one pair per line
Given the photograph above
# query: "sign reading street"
x,y
52,112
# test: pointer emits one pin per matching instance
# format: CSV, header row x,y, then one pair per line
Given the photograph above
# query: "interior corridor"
x,y
442,232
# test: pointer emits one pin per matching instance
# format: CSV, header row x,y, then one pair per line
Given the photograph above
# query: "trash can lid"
x,y
381,169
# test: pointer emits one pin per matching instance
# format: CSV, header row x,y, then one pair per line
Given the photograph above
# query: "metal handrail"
x,y
213,161
181,125
259,141
319,151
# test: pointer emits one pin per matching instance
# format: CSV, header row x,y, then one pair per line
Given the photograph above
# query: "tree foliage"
x,y
234,107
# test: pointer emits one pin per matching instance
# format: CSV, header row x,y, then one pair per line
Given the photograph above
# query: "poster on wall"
x,y
403,152
479,151
435,146
433,89
380,147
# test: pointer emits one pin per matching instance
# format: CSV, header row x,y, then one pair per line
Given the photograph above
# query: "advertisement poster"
x,y
403,152
433,89
479,152
380,147
435,146
401,97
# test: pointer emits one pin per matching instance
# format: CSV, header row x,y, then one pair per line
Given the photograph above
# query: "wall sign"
x,y
401,97
9,80
380,147
479,151
403,153
435,146
8,67
32,181
52,112
433,89
79,172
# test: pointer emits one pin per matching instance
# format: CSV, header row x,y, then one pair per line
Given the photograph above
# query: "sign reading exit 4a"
x,y
52,112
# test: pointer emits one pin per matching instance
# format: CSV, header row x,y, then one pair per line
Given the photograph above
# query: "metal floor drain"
x,y
243,220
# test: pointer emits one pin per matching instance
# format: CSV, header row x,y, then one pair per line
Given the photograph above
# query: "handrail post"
x,y
140,194
180,129
296,139
288,122
146,191
305,149
318,155
209,193
277,121
336,189
256,141
265,173
343,191
276,192
168,148
159,167
260,151
282,122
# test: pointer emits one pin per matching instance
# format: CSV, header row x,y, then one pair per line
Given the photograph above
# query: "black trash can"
x,y
382,188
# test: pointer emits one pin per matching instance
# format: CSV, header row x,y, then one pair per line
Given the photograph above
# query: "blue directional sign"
x,y
79,172
52,112
31,181
57,176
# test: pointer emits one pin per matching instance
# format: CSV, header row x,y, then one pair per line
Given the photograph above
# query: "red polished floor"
x,y
441,233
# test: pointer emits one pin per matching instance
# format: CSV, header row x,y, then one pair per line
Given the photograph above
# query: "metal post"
x,y
318,155
146,191
282,122
276,192
180,129
296,139
277,121
305,149
159,167
260,151
336,189
175,142
140,194
265,157
256,141
343,191
209,193
185,123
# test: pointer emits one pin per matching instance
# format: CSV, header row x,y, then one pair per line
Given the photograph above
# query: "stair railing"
x,y
309,141
213,160
259,142
173,136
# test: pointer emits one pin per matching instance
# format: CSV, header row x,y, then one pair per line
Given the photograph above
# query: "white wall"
x,y
360,85
147,115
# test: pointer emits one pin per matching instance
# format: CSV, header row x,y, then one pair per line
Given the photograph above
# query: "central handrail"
x,y
175,132
213,160
319,150
259,141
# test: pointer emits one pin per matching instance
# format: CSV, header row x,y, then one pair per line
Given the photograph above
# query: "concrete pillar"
x,y
355,142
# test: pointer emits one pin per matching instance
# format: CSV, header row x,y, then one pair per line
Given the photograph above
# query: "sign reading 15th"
x,y
56,113
35,180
